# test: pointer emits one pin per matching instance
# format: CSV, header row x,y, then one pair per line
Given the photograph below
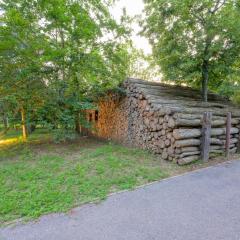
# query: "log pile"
x,y
167,120
112,122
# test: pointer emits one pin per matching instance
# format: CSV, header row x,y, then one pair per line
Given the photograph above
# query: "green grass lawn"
x,y
39,177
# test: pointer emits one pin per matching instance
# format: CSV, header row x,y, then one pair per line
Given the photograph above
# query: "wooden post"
x,y
238,144
228,134
206,136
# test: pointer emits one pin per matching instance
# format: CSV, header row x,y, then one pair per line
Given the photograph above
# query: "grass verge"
x,y
40,177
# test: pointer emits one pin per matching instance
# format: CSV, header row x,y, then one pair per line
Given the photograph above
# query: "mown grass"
x,y
39,179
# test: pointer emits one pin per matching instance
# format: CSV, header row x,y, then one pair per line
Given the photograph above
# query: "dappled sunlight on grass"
x,y
14,137
12,144
10,141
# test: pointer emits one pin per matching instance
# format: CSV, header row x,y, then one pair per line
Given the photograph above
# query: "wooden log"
x,y
187,143
172,109
183,133
169,136
238,144
155,120
181,93
189,149
166,118
186,133
156,135
163,132
228,134
216,147
173,140
159,89
232,141
187,154
178,151
170,151
146,121
222,142
160,143
171,122
161,120
164,155
221,146
187,116
187,160
167,143
236,134
198,117
216,141
165,125
196,122
206,135
222,131
155,99
218,151
233,150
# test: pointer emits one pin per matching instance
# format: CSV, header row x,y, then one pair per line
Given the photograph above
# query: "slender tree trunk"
x,y
5,121
63,58
77,123
205,77
24,124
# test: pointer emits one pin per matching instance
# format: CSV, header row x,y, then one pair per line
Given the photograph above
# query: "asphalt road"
x,y
202,205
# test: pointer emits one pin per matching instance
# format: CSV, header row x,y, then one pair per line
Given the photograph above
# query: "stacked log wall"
x,y
173,132
161,125
112,119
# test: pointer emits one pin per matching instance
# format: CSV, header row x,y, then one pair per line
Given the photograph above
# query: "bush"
x,y
63,135
236,97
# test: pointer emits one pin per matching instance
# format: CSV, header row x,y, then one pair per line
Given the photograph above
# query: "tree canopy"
x,y
194,42
56,55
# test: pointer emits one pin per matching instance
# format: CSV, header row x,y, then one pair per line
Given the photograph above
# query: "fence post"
x,y
228,134
238,144
206,136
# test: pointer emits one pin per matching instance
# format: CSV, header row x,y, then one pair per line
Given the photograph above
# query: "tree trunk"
x,y
63,58
205,77
5,121
77,123
24,124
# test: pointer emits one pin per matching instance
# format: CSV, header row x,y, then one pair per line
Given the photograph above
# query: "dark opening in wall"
x,y
90,117
96,115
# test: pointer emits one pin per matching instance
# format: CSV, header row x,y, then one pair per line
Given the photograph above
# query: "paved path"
x,y
202,205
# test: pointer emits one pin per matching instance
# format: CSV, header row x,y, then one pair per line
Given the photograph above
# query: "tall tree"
x,y
87,54
195,42
22,53
56,54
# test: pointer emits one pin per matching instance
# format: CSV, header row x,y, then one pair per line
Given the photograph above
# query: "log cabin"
x,y
165,119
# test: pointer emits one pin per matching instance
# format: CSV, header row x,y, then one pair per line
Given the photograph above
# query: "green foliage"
x,y
56,56
194,41
63,135
142,66
236,97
